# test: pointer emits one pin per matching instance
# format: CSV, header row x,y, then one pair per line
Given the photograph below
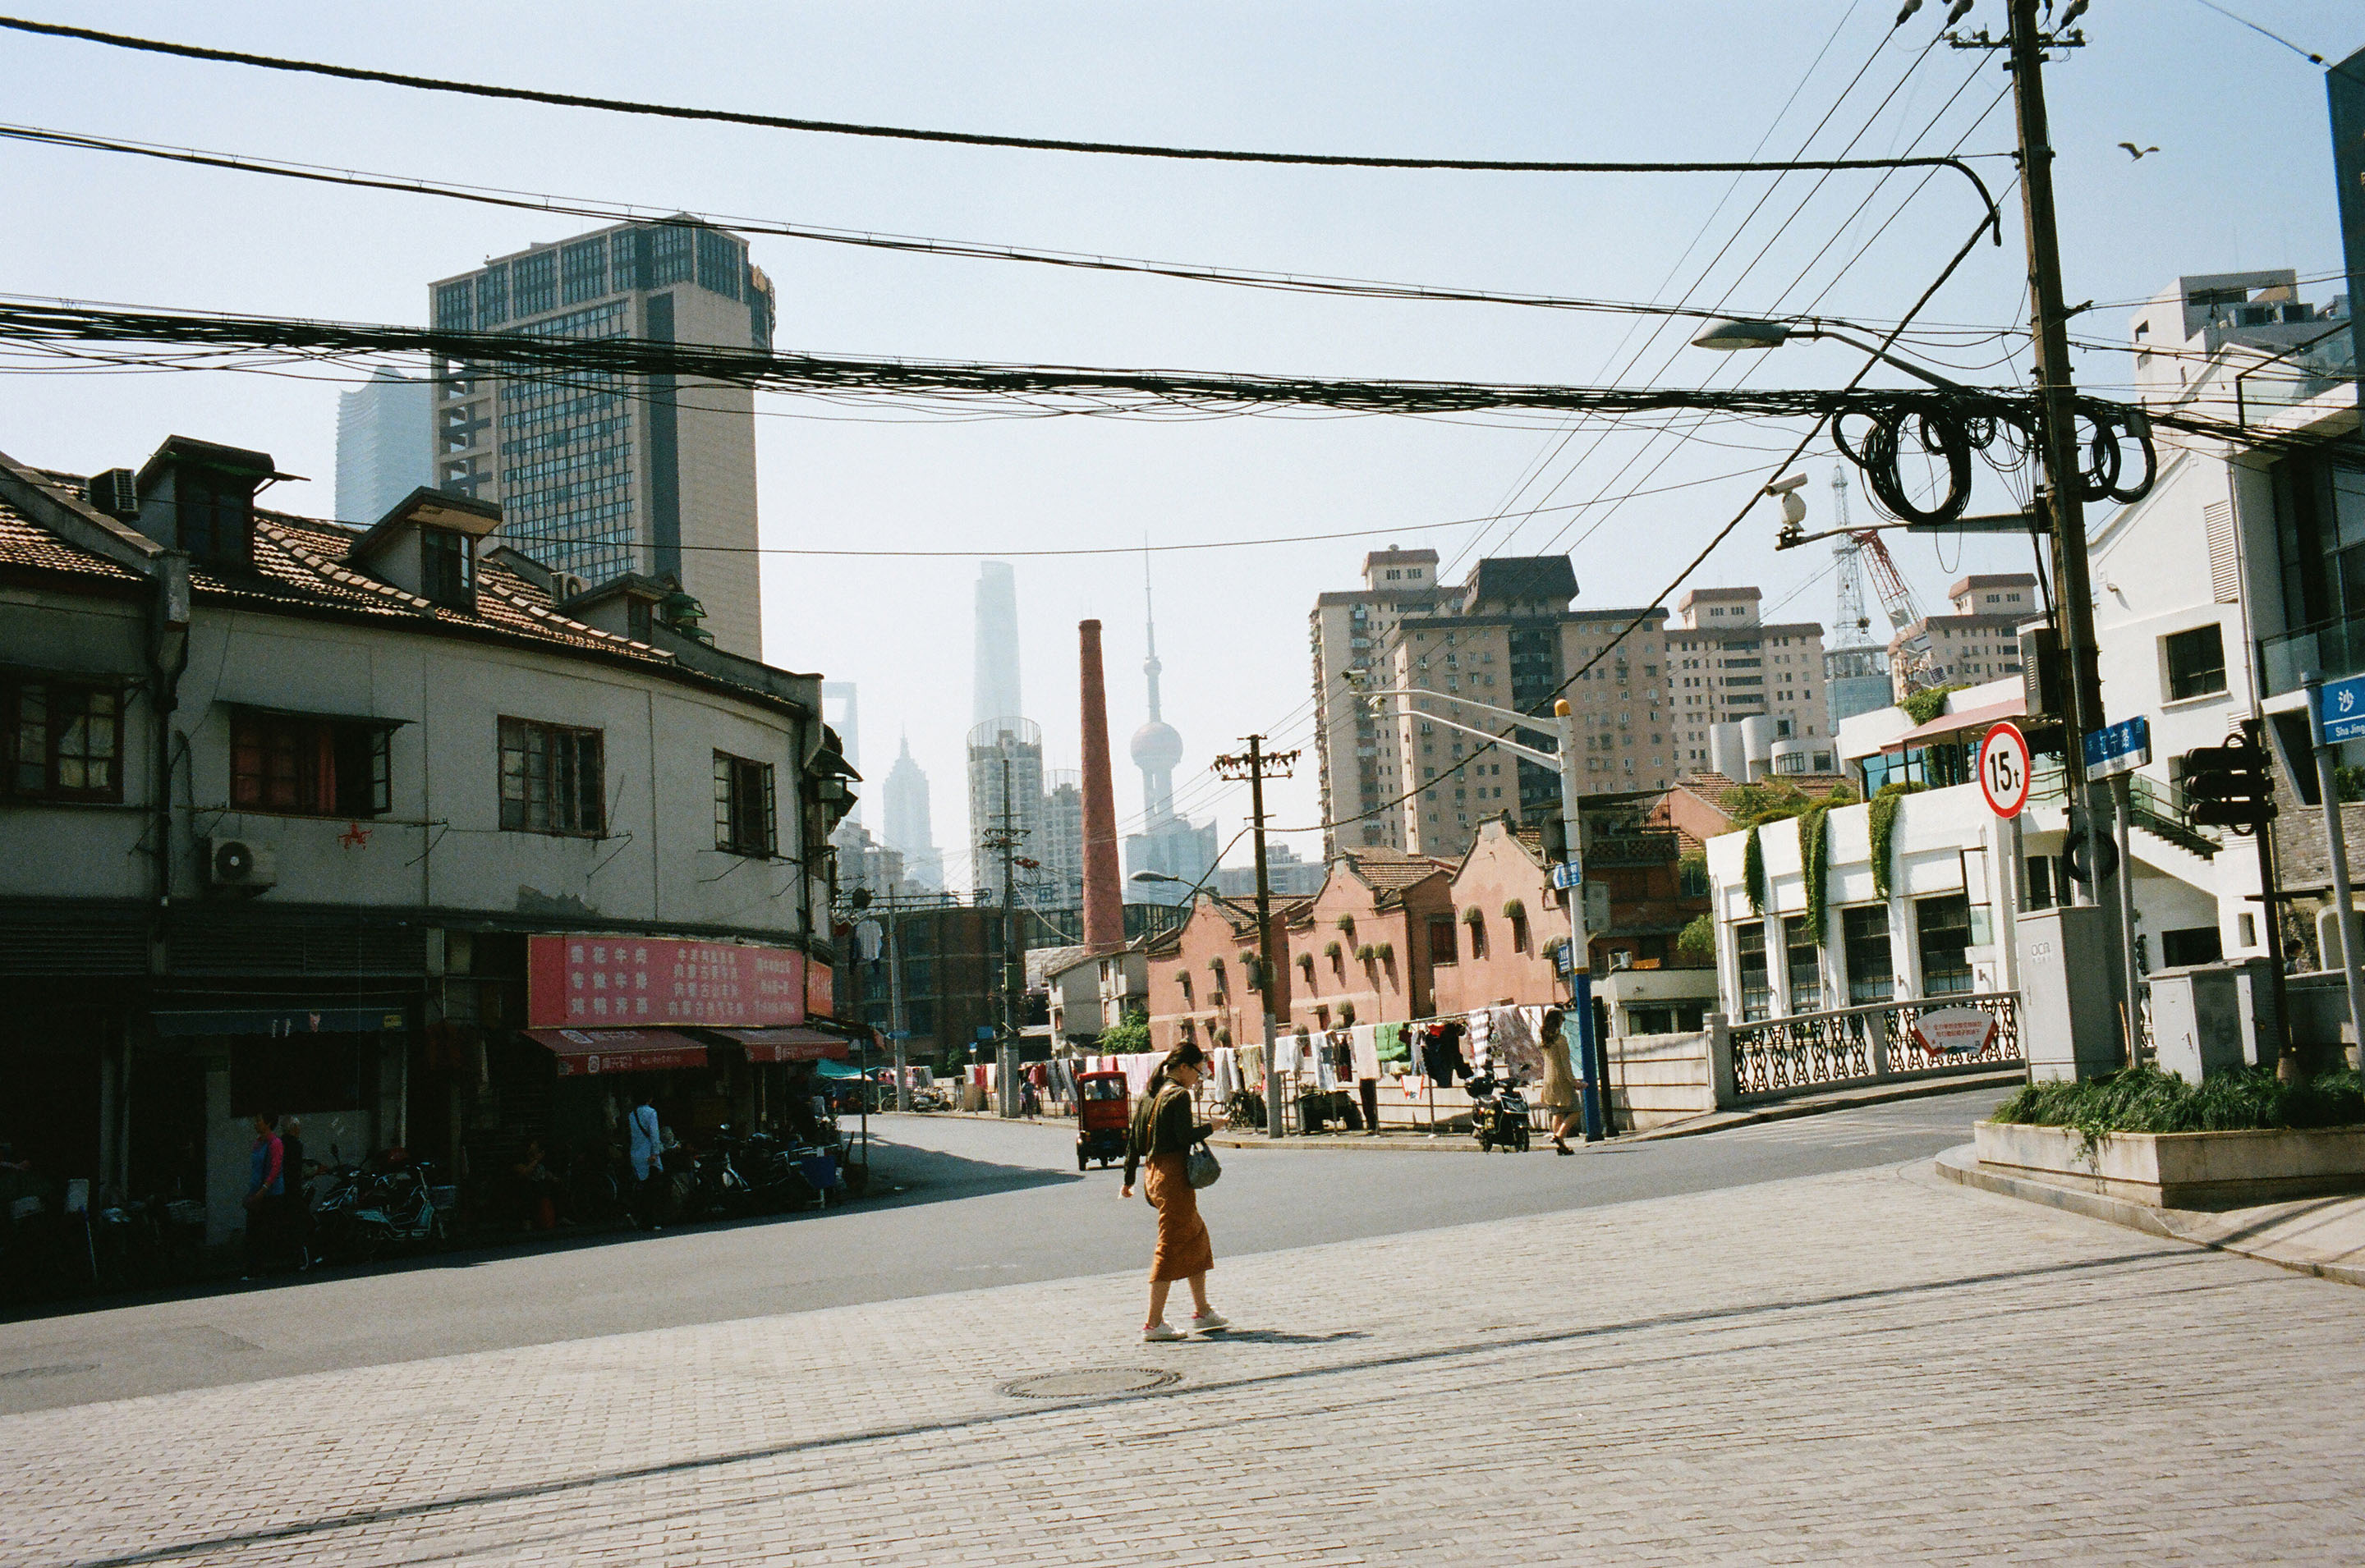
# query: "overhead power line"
x,y
955,138
1104,390
968,250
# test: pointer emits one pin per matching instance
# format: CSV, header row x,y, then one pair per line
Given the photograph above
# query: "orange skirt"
x,y
1183,1249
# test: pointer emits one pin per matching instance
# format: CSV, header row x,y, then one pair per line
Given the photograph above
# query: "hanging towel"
x,y
1514,1044
1367,1058
1225,1062
1388,1043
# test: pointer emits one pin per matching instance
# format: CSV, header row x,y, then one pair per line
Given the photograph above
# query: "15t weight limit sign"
x,y
2003,769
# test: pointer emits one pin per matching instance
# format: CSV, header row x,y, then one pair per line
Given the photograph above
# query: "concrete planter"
x,y
2183,1170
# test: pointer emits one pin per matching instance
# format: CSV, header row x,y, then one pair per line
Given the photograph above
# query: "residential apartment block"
x,y
1979,641
1352,632
1728,667
599,475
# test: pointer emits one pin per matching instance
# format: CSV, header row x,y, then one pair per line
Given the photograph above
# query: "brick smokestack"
x,y
1104,891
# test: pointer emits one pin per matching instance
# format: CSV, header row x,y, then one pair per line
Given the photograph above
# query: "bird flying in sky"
x,y
2134,151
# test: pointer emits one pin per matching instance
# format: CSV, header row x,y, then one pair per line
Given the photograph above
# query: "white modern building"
x,y
383,430
599,475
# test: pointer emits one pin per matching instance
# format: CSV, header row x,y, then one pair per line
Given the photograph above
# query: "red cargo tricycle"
x,y
1103,1107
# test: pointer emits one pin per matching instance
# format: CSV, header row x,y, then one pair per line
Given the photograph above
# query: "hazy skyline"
x,y
2243,180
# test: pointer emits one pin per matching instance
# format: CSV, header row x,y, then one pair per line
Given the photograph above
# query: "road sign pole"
x,y
2121,805
2335,841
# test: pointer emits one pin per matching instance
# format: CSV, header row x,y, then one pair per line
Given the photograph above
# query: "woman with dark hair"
x,y
1160,1135
1560,1094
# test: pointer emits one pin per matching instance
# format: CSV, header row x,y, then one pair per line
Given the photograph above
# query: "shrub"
x,y
2146,1099
1697,942
1923,706
1127,1038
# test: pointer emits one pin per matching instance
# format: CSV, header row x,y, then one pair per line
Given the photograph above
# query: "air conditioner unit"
x,y
113,493
240,865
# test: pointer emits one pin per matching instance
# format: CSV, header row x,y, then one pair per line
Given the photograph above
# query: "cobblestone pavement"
x,y
1866,1367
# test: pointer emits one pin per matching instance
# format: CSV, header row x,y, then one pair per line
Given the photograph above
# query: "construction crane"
x,y
1853,623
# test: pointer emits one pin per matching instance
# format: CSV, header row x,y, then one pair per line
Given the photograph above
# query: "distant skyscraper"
x,y
1062,853
383,433
995,669
841,712
599,475
1168,845
909,831
1005,766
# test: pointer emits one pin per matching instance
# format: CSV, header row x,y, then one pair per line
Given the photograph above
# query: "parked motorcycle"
x,y
1499,1113
388,1202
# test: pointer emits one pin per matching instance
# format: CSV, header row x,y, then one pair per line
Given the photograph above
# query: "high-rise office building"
x,y
382,429
599,475
1006,795
1061,878
909,831
994,672
1730,667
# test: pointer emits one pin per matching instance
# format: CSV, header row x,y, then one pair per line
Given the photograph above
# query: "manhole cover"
x,y
1089,1381
62,1369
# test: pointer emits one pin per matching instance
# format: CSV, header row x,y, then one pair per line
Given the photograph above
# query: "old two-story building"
x,y
1365,948
387,826
1204,982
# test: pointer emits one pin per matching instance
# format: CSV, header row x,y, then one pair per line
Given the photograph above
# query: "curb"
x,y
1919,1089
1961,1166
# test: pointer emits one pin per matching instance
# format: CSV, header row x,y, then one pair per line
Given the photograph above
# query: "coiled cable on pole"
x,y
1950,430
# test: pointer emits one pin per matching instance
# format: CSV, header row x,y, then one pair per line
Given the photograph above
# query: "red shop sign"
x,y
645,982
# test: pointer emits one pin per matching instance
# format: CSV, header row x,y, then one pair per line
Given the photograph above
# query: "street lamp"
x,y
1741,332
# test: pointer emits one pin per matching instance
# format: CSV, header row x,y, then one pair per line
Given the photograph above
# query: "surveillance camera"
x,y
1794,509
1783,486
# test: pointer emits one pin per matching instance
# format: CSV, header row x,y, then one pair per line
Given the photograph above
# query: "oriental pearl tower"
x,y
1181,853
1157,746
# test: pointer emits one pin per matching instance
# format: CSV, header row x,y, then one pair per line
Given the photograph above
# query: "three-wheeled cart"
x,y
1102,1106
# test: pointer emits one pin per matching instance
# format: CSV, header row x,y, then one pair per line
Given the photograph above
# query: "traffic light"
x,y
2228,786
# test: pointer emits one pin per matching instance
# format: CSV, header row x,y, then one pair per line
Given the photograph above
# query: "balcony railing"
x,y
2336,647
1866,1044
1649,847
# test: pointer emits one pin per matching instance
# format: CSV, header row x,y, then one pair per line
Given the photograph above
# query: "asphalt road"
x,y
957,1205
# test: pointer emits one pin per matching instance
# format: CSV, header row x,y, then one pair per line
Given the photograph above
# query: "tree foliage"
x,y
1697,942
1127,1038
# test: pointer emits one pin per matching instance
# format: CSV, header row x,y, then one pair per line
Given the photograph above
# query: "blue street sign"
x,y
2121,748
2341,710
1561,951
898,1034
1567,875
985,1031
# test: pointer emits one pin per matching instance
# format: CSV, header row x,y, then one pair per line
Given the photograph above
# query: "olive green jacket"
x,y
1160,1124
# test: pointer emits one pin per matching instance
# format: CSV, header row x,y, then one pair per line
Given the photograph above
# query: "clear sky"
x,y
2242,179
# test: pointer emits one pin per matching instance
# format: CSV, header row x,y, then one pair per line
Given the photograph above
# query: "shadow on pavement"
x,y
901,1177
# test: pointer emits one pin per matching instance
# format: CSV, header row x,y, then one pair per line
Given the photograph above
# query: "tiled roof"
x,y
1393,870
301,563
24,542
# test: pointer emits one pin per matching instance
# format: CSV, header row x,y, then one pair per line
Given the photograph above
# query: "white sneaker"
x,y
1208,1322
1161,1334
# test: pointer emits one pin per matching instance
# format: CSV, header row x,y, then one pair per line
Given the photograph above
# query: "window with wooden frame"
x,y
447,568
1441,940
64,741
299,765
553,780
746,811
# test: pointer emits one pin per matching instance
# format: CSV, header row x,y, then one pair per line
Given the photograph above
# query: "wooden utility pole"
x,y
2058,424
1254,765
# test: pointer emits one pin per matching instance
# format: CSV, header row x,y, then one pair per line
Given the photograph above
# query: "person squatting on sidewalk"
x,y
1160,1135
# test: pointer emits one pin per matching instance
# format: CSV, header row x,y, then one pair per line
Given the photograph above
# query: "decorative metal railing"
x,y
1863,1044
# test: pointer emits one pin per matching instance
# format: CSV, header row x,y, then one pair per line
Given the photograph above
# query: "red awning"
x,y
1978,719
788,1045
582,1052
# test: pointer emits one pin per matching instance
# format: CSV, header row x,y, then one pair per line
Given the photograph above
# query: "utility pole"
x,y
895,1024
1254,765
2058,426
1005,1056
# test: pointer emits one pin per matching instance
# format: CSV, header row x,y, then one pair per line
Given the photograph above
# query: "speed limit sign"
x,y
2003,769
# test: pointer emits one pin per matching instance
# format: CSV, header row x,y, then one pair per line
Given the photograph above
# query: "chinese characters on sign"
x,y
632,982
